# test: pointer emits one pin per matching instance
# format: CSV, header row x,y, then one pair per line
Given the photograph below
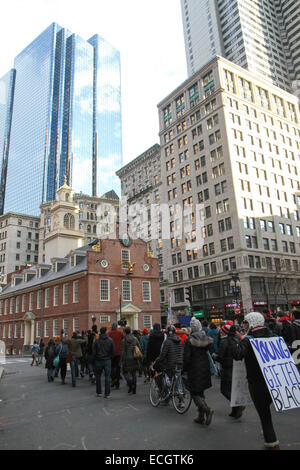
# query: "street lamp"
x,y
235,286
120,303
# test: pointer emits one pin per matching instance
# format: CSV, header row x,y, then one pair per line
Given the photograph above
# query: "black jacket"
x,y
243,350
156,339
170,357
224,355
196,361
103,348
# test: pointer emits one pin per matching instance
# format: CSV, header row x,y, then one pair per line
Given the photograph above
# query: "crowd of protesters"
x,y
199,351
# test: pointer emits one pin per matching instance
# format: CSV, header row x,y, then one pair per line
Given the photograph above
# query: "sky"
x,y
148,34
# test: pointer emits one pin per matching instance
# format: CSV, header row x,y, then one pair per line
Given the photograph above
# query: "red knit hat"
x,y
225,328
145,331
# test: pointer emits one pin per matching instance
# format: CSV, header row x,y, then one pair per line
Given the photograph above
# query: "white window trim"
x,y
150,297
75,283
65,290
130,299
108,290
55,296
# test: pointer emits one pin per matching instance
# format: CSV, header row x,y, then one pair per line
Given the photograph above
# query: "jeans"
x,y
74,369
63,368
50,374
198,397
130,376
262,401
98,368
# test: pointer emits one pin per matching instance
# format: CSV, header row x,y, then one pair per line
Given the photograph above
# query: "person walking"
x,y
91,338
103,352
294,337
196,364
144,345
242,349
41,351
62,350
117,335
34,352
225,359
214,333
155,342
75,351
129,363
50,354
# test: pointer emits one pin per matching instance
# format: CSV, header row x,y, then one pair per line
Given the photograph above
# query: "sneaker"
x,y
106,396
98,394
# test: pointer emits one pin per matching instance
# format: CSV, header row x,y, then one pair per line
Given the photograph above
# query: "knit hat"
x,y
255,319
114,325
226,327
195,325
145,331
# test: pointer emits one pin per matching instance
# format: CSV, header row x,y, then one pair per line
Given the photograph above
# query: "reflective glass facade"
x,y
7,84
66,120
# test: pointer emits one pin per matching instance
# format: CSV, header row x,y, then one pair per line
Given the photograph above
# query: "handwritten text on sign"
x,y
279,370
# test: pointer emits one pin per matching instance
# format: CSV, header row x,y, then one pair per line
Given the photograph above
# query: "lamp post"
x,y
120,303
235,286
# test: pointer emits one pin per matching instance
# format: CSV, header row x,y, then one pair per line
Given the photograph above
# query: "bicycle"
x,y
176,390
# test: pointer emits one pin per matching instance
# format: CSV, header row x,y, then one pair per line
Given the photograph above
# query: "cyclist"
x,y
170,359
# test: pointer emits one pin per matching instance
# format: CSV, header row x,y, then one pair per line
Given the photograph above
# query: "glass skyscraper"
x,y
65,120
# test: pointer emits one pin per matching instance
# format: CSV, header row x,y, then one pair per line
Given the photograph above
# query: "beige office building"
x,y
230,153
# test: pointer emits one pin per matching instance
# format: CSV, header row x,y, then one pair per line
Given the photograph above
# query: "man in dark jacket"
x,y
155,342
117,335
257,386
294,332
103,352
171,356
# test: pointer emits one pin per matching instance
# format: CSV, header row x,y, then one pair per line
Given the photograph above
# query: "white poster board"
x,y
279,370
240,395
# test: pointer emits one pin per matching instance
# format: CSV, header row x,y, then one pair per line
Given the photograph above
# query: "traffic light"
x,y
188,295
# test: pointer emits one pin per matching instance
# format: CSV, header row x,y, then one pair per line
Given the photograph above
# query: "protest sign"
x,y
279,370
240,395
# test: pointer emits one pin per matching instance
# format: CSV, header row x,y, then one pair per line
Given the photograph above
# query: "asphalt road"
x,y
37,415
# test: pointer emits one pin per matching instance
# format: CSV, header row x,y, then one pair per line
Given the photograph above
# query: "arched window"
x,y
88,229
69,221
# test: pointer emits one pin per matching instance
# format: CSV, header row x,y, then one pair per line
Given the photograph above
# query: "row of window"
x,y
52,327
19,304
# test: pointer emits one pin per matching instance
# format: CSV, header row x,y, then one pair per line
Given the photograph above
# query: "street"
x,y
37,415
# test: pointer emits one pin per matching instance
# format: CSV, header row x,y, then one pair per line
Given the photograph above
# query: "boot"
x,y
208,412
133,389
130,385
239,411
200,418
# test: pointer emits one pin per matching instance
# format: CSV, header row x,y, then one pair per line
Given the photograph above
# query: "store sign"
x,y
295,302
260,303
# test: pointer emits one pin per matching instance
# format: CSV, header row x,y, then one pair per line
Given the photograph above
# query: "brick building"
x,y
104,282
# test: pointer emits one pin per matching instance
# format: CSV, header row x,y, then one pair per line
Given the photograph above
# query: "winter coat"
x,y
156,339
242,349
144,344
215,335
62,350
129,363
74,346
35,349
50,354
117,336
224,356
294,334
170,357
103,348
182,335
196,361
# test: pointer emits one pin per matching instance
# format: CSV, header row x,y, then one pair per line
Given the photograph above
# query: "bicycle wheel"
x,y
154,393
181,396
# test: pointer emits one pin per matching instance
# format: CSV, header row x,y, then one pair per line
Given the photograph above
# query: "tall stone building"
x,y
230,146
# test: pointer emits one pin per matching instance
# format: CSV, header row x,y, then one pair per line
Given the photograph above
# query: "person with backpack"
x,y
117,335
129,361
61,350
103,352
41,351
156,339
50,355
75,353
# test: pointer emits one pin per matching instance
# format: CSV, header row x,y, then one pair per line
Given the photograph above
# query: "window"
x,y
46,329
55,296
126,290
31,301
65,324
75,324
146,291
55,328
65,294
148,321
23,302
69,221
47,297
75,291
39,299
104,290
125,254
